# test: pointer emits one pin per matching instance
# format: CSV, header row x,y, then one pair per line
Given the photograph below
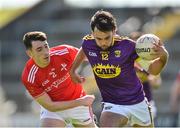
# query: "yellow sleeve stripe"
x,y
88,37
120,38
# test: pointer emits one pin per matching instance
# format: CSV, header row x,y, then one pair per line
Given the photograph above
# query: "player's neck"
x,y
42,65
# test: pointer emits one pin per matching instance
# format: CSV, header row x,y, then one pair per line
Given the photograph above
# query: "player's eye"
x,y
107,38
98,38
39,49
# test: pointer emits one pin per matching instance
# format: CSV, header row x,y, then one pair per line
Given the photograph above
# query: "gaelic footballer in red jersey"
x,y
38,82
46,77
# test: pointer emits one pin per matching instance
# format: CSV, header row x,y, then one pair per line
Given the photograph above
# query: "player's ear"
x,y
92,32
114,32
29,53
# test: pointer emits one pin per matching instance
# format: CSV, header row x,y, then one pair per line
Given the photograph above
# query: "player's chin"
x,y
104,48
46,61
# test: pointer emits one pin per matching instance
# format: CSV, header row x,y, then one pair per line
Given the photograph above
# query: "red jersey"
x,y
53,79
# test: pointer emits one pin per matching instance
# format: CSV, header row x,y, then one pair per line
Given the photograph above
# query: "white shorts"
x,y
78,115
137,114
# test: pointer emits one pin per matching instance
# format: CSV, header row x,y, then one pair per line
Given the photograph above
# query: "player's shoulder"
x,y
62,47
59,50
123,39
29,71
88,37
30,63
62,50
119,38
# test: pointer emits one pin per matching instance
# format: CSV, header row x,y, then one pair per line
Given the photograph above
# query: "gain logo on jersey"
x,y
106,71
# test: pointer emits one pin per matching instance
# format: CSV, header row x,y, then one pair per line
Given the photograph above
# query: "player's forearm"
x,y
45,101
78,60
157,65
164,58
62,105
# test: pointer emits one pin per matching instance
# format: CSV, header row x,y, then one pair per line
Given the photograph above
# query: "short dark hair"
x,y
104,21
33,36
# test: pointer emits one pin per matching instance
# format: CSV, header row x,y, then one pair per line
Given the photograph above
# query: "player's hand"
x,y
87,100
76,78
159,50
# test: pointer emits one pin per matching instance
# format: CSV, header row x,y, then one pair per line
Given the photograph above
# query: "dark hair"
x,y
33,36
104,21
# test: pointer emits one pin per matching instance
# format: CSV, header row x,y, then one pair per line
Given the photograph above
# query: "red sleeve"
x,y
34,89
73,52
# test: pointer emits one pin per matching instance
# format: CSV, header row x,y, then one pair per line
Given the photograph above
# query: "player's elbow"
x,y
46,102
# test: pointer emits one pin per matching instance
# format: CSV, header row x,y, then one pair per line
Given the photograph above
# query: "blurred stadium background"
x,y
67,21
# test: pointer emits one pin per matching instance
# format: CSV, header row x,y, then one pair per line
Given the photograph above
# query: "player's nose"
x,y
103,43
46,52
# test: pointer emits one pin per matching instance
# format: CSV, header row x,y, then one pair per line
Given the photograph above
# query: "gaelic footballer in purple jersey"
x,y
114,70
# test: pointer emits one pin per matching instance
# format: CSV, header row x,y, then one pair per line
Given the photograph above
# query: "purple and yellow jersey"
x,y
114,70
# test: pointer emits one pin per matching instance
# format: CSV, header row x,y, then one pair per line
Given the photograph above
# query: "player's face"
x,y
103,39
40,53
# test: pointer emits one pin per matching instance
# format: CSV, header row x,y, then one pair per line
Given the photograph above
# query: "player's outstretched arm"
x,y
45,101
76,78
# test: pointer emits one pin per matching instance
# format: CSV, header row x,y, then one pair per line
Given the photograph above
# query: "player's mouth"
x,y
104,47
46,58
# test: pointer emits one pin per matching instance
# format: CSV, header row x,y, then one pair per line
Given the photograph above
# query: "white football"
x,y
144,46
